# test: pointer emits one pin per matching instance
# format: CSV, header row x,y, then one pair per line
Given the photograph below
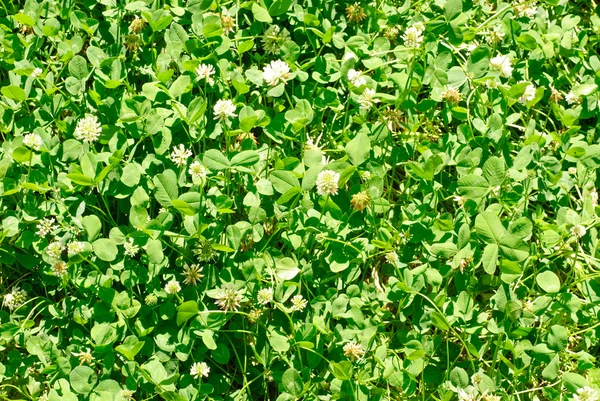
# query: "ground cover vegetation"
x,y
299,199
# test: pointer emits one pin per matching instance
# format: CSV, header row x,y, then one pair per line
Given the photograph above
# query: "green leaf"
x,y
439,321
186,311
166,187
489,228
359,148
81,179
14,92
22,154
514,248
286,268
494,171
453,8
92,226
245,158
215,160
78,67
183,207
459,377
283,180
103,334
548,281
155,251
130,347
105,249
279,7
260,14
558,338
83,379
489,259
292,383
473,186
341,370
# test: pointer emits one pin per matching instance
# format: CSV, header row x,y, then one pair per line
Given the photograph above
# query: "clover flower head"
x,y
127,394
180,155
172,287
46,226
84,356
356,78
572,98
198,171
495,35
413,36
327,183
15,298
594,196
451,95
130,248
37,72
137,25
274,38
204,251
59,269
578,230
276,72
353,351
265,295
366,99
586,393
192,274
227,22
206,71
224,109
298,303
228,298
391,257
360,201
355,13
527,10
199,369
501,63
555,95
54,249
151,300
75,247
528,95
88,129
33,141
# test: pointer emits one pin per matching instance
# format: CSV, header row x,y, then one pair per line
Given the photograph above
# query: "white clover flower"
x,y
586,394
451,95
127,395
88,129
366,100
74,248
227,22
192,274
571,99
197,171
413,36
468,394
491,83
501,63
172,287
525,10
350,56
130,248
528,95
265,296
353,351
15,298
366,176
578,230
356,78
274,38
199,369
594,196
46,226
275,72
33,141
36,72
495,35
228,298
572,170
180,155
224,109
298,303
54,249
84,356
327,182
205,71
391,257
60,269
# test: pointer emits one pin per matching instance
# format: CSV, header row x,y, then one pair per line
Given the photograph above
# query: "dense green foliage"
x,y
299,199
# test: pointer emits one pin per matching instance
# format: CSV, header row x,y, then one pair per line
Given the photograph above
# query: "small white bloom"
x,y
572,170
298,303
469,395
192,274
366,100
391,257
501,63
60,269
228,298
172,287
205,71
578,230
350,56
275,72
46,226
353,351
495,35
127,394
197,170
571,99
180,155
224,109
200,369
413,36
54,249
33,141
356,78
586,394
594,196
327,182
36,72
528,95
130,248
366,176
74,248
525,10
15,298
84,356
265,296
88,129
